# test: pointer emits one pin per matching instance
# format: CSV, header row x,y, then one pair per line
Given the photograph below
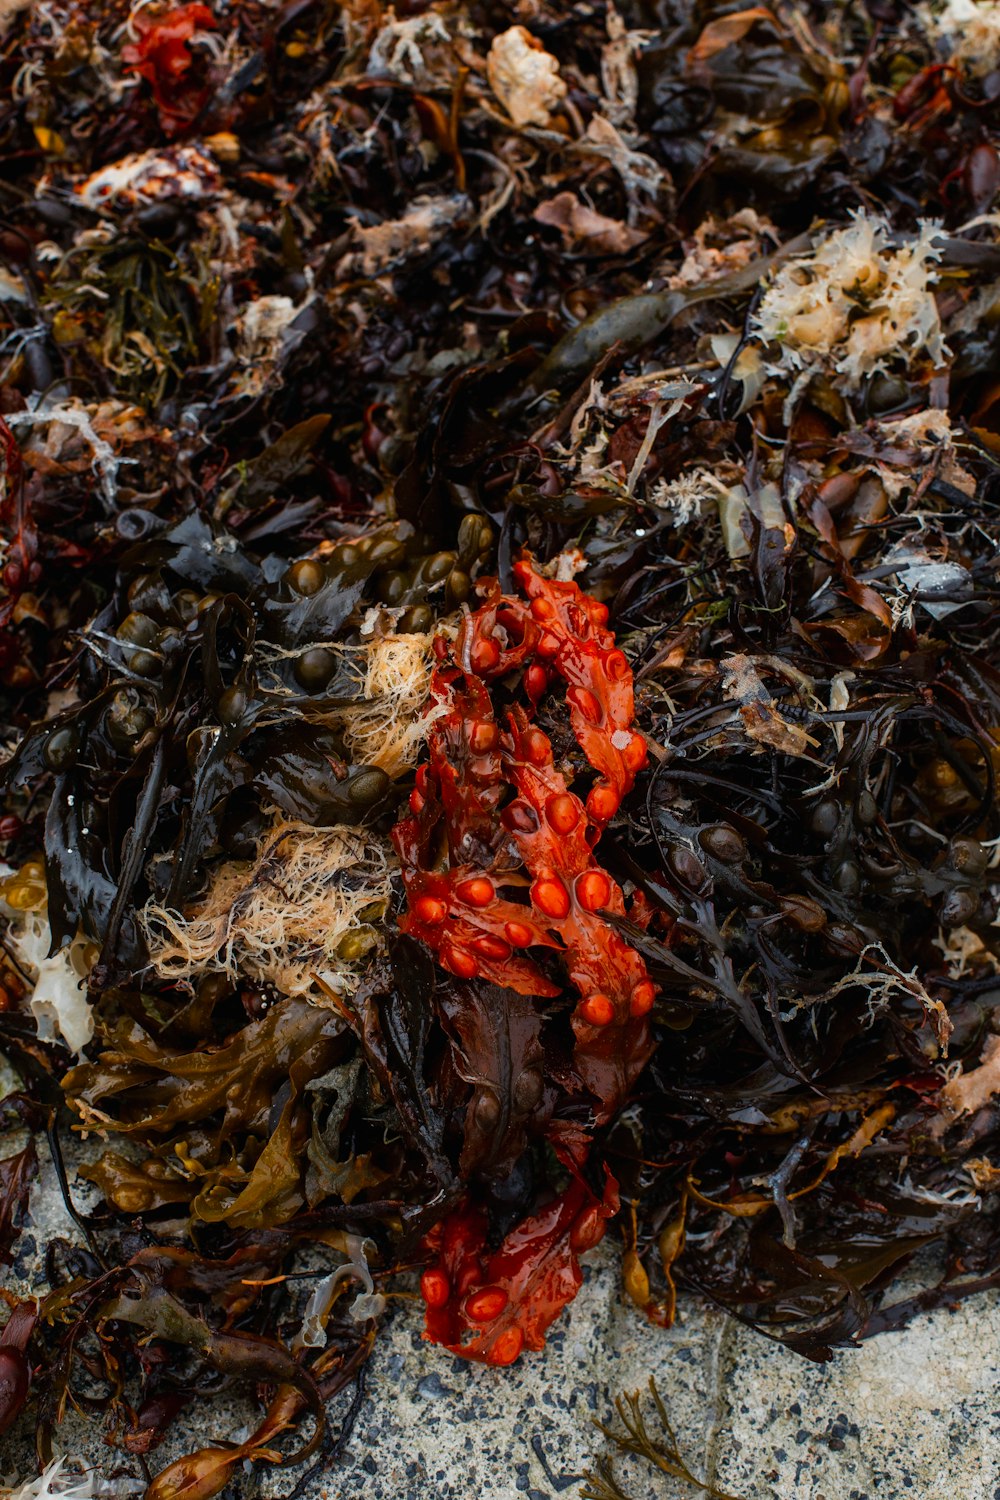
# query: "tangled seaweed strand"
x,y
498,652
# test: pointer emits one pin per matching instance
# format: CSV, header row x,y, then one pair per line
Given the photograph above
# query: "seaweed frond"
x,y
661,1451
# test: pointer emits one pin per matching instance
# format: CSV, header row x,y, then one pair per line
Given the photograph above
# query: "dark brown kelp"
x,y
498,624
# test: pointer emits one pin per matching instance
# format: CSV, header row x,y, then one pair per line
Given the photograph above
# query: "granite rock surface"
x,y
908,1416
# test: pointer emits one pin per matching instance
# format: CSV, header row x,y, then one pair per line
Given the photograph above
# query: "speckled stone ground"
x,y
909,1416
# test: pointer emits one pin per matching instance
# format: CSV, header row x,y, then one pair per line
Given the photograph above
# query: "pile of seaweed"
x,y
498,648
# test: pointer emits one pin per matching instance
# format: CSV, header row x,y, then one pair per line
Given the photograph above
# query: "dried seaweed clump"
x,y
969,31
302,909
861,301
57,980
388,726
56,1482
524,77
